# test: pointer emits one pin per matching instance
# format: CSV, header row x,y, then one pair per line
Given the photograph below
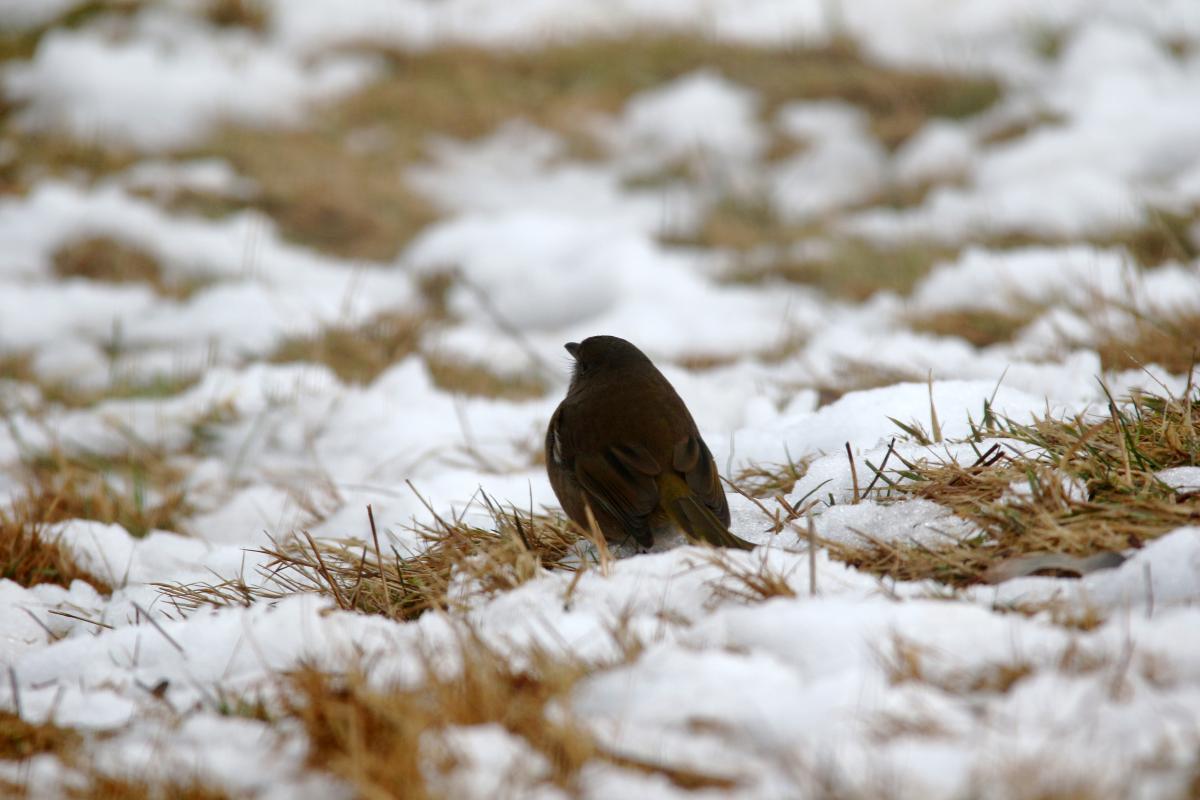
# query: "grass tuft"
x,y
360,353
141,491
979,327
771,480
110,787
392,741
20,739
378,739
338,185
459,563
29,558
104,259
850,269
237,14
1086,486
476,380
1171,340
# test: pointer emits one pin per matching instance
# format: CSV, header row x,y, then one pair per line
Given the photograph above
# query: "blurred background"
x,y
225,221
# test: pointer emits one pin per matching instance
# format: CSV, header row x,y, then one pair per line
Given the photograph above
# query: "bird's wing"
x,y
621,481
693,459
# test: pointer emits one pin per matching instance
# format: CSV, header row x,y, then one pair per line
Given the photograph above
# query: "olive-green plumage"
x,y
623,445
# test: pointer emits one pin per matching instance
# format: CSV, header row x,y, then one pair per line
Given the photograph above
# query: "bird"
x,y
623,447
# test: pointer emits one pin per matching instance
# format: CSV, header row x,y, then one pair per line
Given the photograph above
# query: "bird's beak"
x,y
573,349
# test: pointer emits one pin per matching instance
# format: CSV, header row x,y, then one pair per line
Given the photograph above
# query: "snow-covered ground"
x,y
873,688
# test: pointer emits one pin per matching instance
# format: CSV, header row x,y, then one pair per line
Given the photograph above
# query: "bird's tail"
x,y
696,519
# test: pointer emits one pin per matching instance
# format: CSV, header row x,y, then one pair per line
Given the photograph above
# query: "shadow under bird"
x,y
623,444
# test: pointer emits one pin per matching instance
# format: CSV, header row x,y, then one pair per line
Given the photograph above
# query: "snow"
x,y
1182,479
840,165
1129,127
700,116
859,687
86,85
939,152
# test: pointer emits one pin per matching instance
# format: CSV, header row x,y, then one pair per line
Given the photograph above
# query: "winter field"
x,y
284,286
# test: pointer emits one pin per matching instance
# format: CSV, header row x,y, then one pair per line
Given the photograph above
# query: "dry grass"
x,y
16,43
111,261
905,661
1090,488
854,375
338,184
1165,237
42,154
978,327
376,740
850,269
755,582
771,480
1064,614
856,269
20,739
390,742
476,380
460,562
19,367
28,557
141,491
107,787
358,354
237,13
1170,340
1125,337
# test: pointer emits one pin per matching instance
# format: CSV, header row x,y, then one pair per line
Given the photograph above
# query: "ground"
x,y
283,294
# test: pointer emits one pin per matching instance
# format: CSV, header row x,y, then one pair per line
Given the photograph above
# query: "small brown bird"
x,y
623,444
